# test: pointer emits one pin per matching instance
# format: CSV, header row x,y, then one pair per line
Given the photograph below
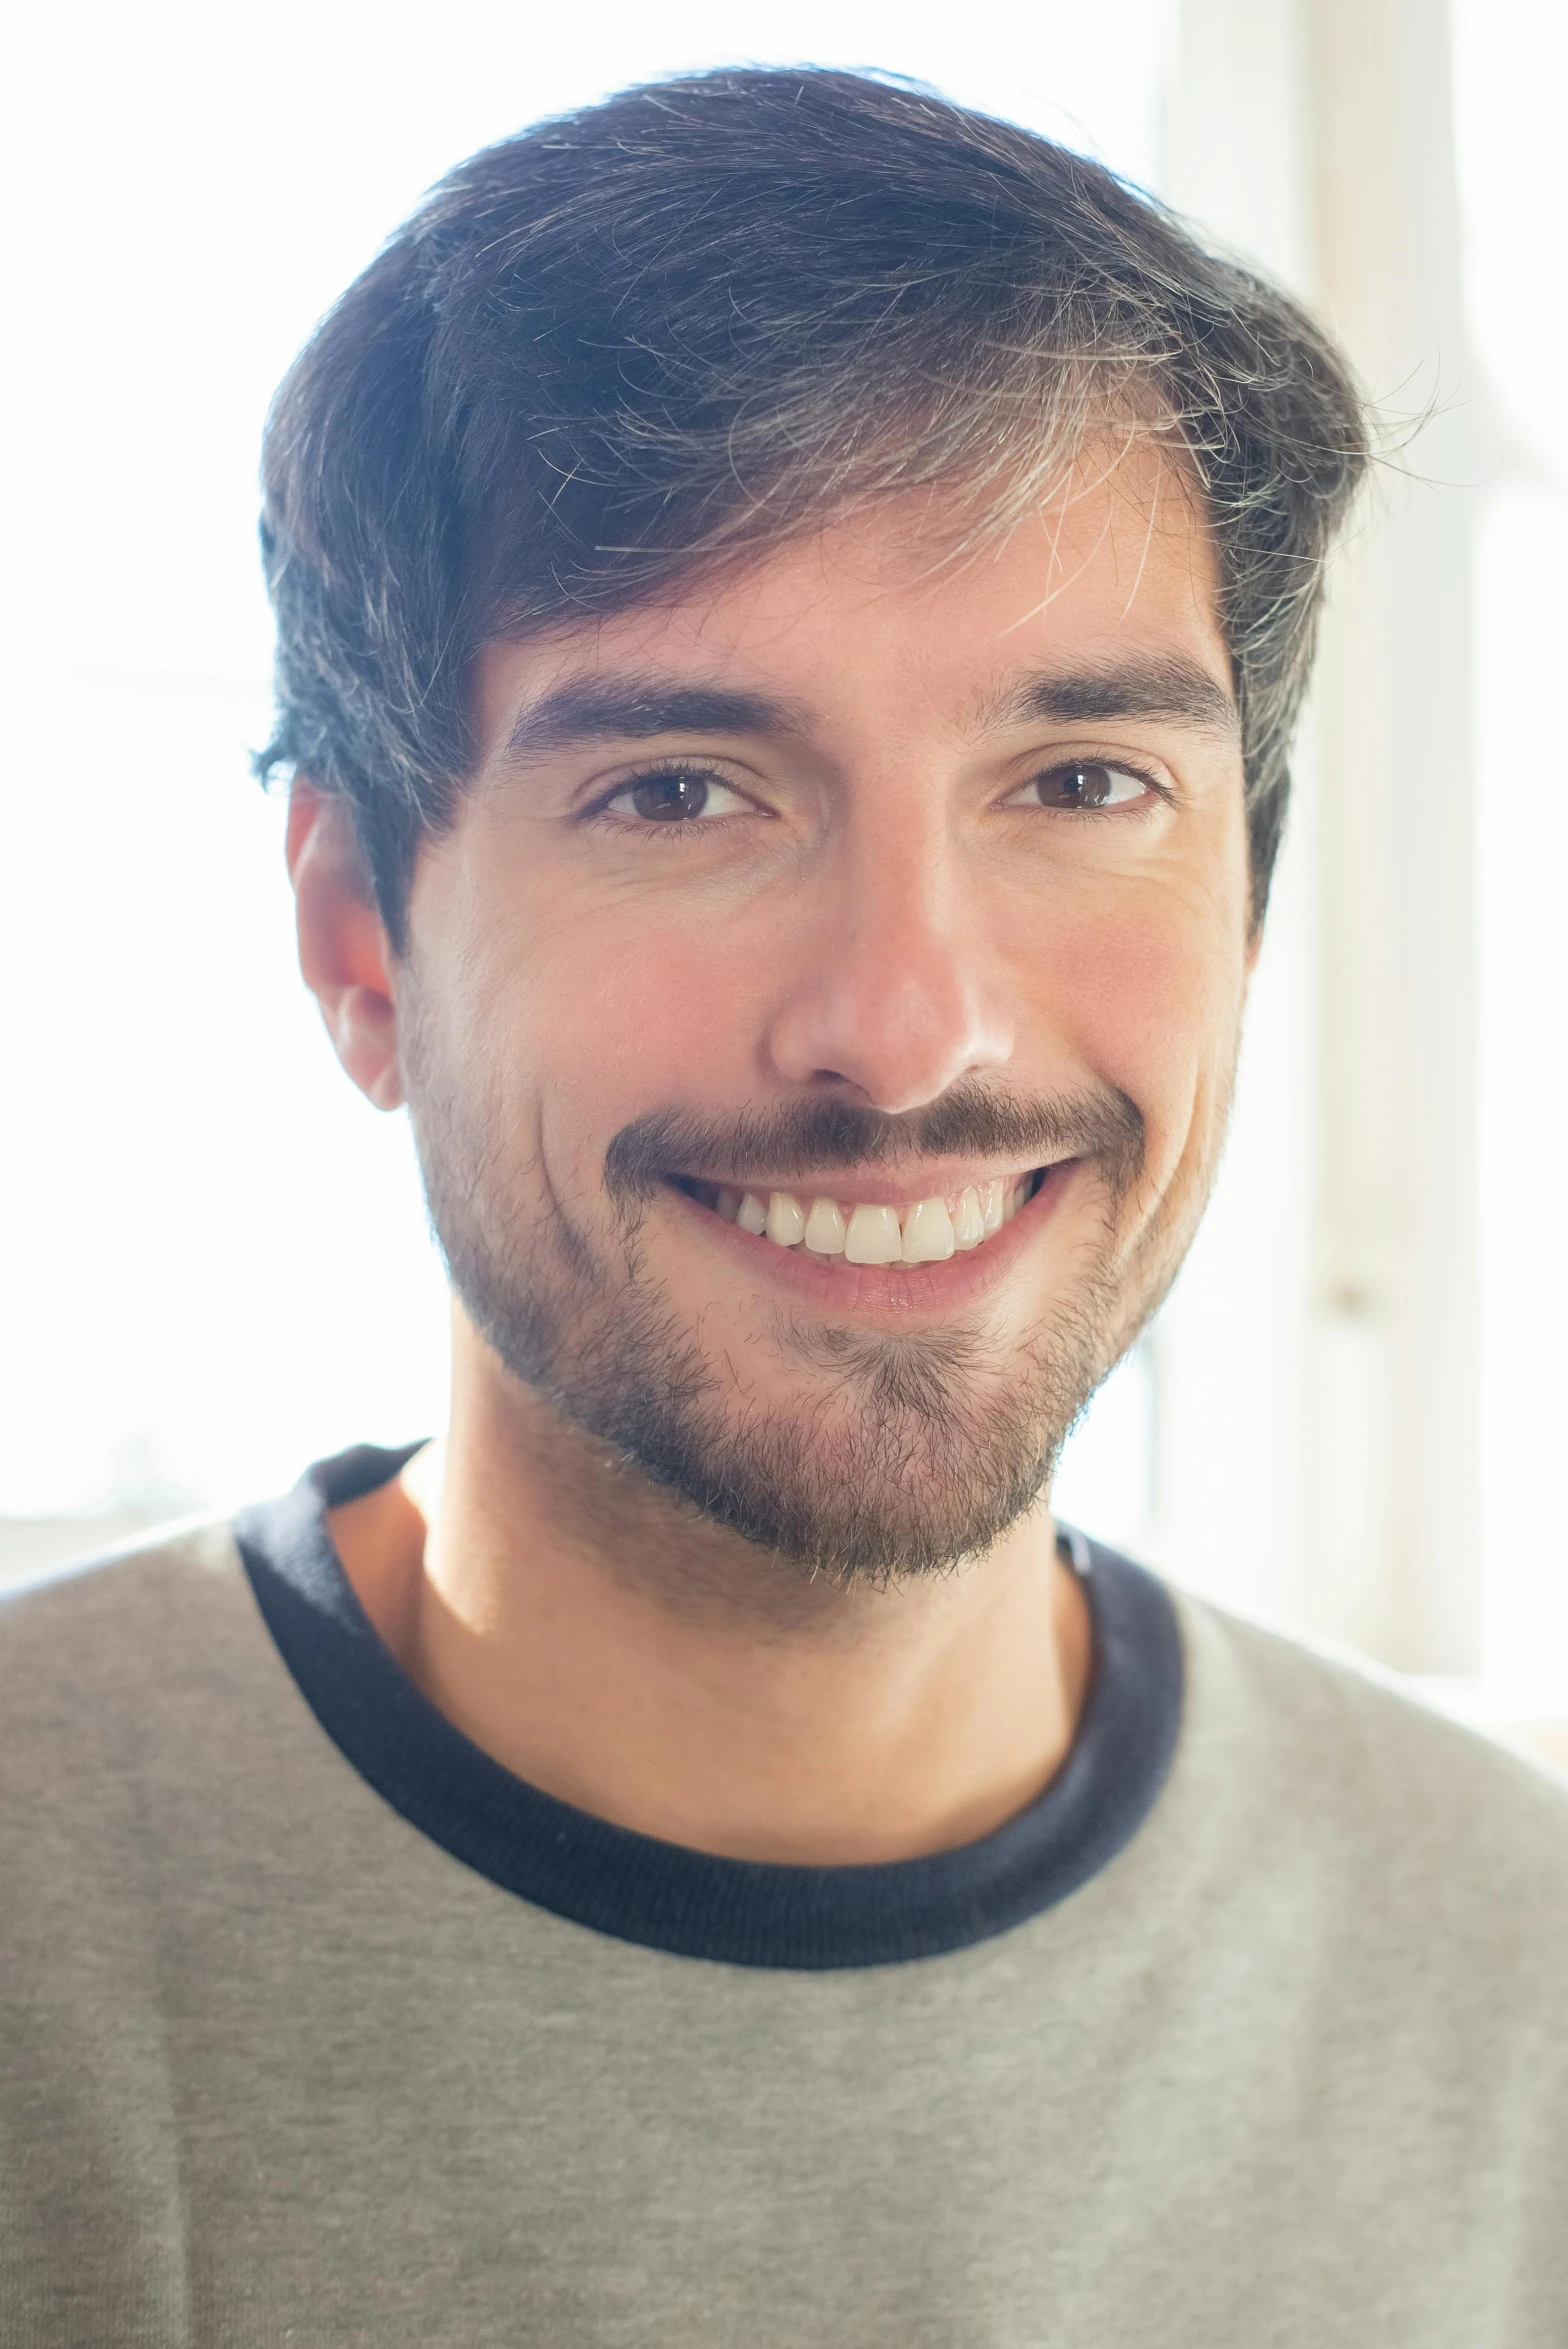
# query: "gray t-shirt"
x,y
318,2028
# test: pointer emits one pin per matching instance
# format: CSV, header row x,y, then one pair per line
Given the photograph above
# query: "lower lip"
x,y
884,1288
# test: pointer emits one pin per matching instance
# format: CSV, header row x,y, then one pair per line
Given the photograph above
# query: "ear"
x,y
343,950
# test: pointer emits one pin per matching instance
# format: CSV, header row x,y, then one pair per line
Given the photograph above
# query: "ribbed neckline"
x,y
737,1912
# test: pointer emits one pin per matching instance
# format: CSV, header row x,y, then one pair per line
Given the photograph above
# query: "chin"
x,y
881,1458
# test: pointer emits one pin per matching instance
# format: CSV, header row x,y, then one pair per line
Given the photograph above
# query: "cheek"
x,y
648,1023
1148,999
605,1020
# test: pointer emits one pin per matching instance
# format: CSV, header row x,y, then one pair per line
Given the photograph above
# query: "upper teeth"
x,y
922,1233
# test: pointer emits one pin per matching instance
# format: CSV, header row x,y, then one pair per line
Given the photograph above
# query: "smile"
x,y
870,1231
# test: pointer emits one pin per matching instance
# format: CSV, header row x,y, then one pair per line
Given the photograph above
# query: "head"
x,y
792,603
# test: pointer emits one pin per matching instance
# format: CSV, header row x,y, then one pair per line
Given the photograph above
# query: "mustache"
x,y
817,1136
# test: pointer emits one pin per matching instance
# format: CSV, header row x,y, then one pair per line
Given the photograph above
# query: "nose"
x,y
897,996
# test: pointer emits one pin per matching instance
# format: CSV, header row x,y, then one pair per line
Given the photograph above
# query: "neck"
x,y
593,1637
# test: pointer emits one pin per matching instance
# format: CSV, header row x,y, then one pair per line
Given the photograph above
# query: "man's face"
x,y
894,899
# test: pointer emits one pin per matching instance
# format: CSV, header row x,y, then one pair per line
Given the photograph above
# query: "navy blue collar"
x,y
740,1912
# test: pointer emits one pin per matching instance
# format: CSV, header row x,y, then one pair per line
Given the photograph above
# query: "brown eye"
x,y
1084,783
667,799
679,795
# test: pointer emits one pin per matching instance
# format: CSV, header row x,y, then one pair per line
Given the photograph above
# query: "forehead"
x,y
919,604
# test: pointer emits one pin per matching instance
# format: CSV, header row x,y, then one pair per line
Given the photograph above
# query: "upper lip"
x,y
873,1186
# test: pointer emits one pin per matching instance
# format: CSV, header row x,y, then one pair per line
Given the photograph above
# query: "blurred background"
x,y
213,1258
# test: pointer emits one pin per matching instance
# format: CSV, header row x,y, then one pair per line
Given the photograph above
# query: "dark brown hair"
x,y
674,329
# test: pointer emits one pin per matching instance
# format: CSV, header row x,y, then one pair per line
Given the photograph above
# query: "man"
x,y
792,601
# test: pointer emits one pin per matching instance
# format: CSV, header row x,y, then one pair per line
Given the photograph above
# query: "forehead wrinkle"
x,y
1167,688
637,708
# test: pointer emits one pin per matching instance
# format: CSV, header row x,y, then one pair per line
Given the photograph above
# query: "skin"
x,y
884,906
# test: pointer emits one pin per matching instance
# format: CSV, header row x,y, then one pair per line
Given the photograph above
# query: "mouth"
x,y
886,1232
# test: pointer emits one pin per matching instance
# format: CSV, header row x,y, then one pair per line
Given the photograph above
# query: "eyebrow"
x,y
1166,687
619,709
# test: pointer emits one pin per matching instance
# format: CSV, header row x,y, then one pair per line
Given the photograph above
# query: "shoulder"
x,y
88,1601
1434,1837
157,1765
122,1650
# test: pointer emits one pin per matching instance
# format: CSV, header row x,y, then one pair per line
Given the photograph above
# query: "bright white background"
x,y
1511,71
213,1263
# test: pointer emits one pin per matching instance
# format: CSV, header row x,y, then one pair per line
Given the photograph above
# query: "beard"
x,y
878,1456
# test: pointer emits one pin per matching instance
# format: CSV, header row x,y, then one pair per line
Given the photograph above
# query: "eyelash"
x,y
602,810
1117,766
